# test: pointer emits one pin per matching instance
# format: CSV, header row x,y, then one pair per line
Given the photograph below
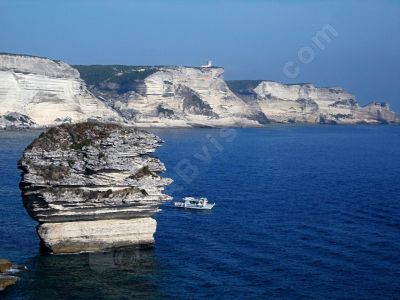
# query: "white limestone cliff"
x,y
48,92
305,103
38,92
179,96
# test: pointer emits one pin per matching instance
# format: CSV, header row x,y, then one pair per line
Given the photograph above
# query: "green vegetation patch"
x,y
120,74
165,111
10,118
52,172
242,86
74,136
145,171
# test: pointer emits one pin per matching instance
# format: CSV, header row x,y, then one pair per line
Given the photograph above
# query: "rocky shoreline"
x,y
93,187
7,271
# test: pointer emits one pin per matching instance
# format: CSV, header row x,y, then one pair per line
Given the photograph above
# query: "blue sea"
x,y
302,212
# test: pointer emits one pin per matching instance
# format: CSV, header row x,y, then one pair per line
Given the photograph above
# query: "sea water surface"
x,y
302,212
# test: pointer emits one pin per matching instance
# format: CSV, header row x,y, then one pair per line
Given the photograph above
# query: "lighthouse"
x,y
208,65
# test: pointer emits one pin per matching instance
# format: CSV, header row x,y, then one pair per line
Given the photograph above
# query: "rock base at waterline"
x,y
7,281
7,268
95,236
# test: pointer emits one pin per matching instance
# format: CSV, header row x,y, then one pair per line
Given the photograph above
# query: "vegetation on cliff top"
x,y
94,75
242,86
29,55
120,74
74,136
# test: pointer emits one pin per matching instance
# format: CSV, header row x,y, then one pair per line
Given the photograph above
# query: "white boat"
x,y
194,203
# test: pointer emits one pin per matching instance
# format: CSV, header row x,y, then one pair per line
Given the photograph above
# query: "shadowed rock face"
x,y
93,187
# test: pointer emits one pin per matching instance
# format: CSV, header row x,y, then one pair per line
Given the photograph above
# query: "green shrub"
x,y
10,118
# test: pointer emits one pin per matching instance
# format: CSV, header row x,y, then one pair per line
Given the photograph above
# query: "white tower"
x,y
208,65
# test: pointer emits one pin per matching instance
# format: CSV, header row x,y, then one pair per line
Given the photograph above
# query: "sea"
x,y
302,212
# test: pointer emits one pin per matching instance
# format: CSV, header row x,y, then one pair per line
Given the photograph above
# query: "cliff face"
x,y
93,187
170,96
305,103
380,112
48,92
37,92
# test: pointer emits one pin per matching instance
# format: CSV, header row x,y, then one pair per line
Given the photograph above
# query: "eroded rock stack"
x,y
93,187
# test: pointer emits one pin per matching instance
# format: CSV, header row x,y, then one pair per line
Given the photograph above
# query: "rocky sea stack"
x,y
93,187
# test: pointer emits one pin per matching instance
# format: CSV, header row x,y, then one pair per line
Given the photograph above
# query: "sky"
x,y
251,39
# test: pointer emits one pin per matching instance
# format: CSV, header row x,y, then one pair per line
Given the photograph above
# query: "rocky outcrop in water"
x,y
47,92
93,187
7,269
7,281
5,265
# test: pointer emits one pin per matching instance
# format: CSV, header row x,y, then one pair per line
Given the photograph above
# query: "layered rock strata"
x,y
39,92
305,103
47,92
170,95
93,187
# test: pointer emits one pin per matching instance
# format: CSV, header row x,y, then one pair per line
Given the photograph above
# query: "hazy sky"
x,y
251,39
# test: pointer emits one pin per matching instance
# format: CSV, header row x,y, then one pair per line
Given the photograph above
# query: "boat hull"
x,y
193,206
